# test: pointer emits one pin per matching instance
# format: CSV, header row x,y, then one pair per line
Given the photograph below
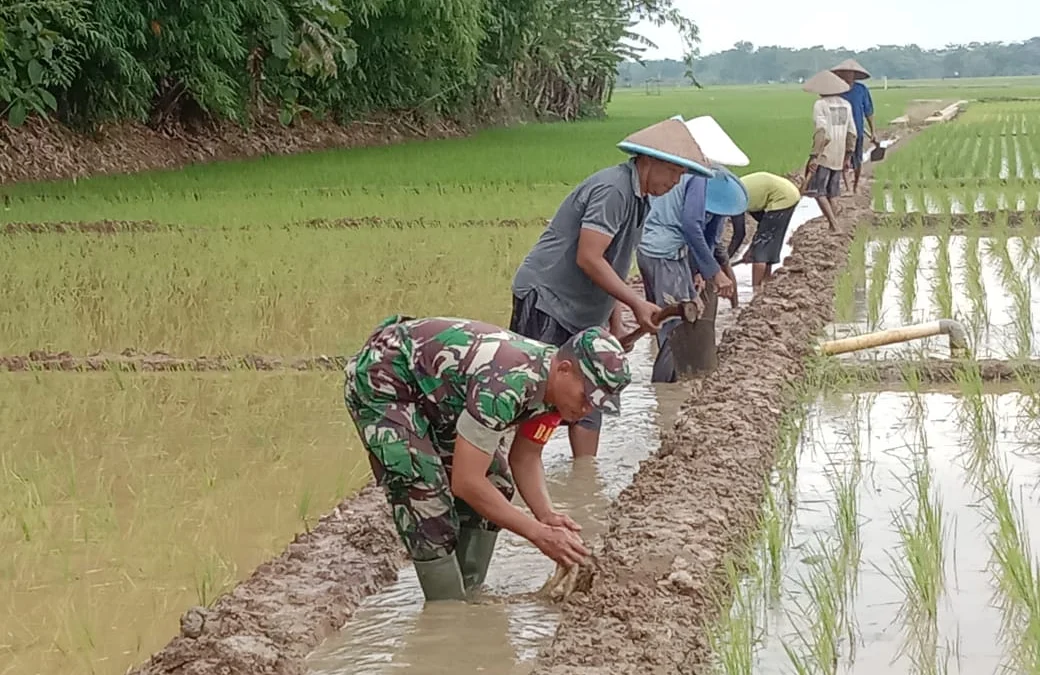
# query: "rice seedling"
x,y
734,637
1015,571
976,413
942,288
919,566
821,622
878,279
908,278
977,319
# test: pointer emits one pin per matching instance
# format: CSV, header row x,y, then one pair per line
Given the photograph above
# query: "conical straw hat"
x,y
826,83
715,143
851,65
669,141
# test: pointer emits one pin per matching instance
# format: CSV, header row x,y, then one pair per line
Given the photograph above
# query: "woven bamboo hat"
x,y
826,83
669,141
852,66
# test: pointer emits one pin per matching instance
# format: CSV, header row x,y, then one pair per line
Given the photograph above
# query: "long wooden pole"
x,y
958,338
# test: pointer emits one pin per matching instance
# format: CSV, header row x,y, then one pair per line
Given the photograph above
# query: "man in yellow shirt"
x,y
772,200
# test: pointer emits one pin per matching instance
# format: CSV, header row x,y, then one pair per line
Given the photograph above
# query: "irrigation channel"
x,y
393,632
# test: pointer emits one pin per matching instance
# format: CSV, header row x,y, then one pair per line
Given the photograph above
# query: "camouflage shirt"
x,y
467,377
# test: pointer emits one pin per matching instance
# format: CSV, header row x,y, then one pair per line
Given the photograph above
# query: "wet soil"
x,y
271,620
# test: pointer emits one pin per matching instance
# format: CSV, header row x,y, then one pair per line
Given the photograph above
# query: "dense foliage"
x,y
746,64
174,60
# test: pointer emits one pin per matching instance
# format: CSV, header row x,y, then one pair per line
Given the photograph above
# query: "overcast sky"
x,y
927,23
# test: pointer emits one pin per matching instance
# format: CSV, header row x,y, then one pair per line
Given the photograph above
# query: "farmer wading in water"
x,y
434,400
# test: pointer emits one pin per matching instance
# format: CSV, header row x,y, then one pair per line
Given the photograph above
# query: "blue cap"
x,y
725,194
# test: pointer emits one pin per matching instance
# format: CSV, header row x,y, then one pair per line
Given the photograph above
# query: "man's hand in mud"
x,y
644,312
561,544
554,519
723,285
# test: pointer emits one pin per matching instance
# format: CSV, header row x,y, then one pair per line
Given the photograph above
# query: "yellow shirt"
x,y
769,192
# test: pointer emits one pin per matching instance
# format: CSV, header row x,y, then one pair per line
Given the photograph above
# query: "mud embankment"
x,y
940,371
130,360
146,226
45,150
961,221
272,620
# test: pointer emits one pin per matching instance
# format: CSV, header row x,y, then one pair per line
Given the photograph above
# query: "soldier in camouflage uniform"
x,y
434,400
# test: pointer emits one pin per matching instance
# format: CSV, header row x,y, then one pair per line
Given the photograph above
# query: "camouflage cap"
x,y
603,363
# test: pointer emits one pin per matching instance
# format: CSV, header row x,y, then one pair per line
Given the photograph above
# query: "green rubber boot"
x,y
474,550
440,579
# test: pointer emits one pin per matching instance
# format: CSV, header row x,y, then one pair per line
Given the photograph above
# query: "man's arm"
x,y
868,111
525,461
469,483
604,215
739,234
592,244
692,226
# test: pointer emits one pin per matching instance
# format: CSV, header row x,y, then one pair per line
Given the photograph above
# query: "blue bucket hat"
x,y
725,194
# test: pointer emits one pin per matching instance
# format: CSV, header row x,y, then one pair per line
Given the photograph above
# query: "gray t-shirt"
x,y
608,201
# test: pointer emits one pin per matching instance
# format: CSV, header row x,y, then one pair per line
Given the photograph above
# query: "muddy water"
x,y
875,433
912,296
394,632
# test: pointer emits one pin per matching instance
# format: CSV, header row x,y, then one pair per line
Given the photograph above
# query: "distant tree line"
x,y
747,64
168,61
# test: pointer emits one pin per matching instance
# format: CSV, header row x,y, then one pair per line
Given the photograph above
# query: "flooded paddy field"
x,y
896,538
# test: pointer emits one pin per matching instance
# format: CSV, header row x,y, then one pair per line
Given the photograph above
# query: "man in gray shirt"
x,y
575,275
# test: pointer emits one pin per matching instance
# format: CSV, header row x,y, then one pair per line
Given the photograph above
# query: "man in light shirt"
x,y
834,141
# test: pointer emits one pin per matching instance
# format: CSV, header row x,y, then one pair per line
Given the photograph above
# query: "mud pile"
x,y
270,622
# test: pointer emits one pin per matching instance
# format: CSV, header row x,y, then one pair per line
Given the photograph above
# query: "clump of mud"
x,y
659,567
270,622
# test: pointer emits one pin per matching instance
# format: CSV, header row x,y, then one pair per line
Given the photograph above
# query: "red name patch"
x,y
540,429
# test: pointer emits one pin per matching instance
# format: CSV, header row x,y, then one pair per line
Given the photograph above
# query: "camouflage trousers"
x,y
414,471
